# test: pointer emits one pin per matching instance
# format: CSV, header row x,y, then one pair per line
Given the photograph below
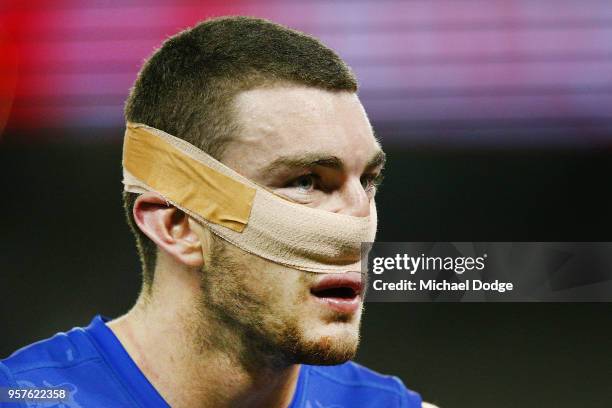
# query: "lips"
x,y
341,292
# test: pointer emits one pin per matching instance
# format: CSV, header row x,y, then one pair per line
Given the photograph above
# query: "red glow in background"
x,y
444,72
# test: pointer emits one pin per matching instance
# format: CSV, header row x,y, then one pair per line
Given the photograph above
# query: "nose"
x,y
353,200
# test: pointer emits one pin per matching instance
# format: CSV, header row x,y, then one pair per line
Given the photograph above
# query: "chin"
x,y
329,346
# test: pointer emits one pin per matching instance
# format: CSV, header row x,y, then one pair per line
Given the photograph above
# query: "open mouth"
x,y
341,292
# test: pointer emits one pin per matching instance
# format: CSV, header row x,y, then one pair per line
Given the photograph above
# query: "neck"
x,y
211,365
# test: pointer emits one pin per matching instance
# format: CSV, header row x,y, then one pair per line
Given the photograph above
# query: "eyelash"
x,y
316,178
374,180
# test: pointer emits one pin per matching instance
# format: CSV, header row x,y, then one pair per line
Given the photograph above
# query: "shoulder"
x,y
68,360
351,384
63,350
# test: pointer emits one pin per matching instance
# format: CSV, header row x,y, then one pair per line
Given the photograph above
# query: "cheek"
x,y
264,282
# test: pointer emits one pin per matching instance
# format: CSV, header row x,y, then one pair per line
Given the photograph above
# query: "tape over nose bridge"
x,y
238,210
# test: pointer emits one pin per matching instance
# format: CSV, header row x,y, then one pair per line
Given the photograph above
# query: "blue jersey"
x,y
96,370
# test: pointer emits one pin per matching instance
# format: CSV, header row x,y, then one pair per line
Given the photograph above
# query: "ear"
x,y
169,228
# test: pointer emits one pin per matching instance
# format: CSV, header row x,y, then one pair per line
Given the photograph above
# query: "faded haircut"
x,y
188,86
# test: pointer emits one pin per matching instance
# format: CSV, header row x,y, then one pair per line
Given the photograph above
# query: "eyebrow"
x,y
378,159
319,159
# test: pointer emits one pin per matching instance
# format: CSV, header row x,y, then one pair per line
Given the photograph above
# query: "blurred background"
x,y
496,115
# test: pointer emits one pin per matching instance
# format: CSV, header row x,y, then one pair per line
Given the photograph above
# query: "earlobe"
x,y
169,228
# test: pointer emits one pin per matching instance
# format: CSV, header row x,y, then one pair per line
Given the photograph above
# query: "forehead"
x,y
293,121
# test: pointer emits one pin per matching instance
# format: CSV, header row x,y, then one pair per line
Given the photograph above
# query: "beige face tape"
x,y
240,211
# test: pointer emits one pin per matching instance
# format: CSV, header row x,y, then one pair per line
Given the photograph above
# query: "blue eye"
x,y
305,182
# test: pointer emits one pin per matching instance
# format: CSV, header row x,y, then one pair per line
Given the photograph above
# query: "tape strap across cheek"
x,y
240,211
185,181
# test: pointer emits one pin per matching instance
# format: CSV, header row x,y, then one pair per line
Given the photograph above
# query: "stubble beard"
x,y
252,328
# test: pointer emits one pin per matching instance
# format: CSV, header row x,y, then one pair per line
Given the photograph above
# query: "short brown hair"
x,y
187,86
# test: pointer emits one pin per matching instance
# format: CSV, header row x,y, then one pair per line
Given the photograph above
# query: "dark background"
x,y
67,255
496,118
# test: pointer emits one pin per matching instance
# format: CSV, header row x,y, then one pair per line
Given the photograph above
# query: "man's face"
x,y
315,147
